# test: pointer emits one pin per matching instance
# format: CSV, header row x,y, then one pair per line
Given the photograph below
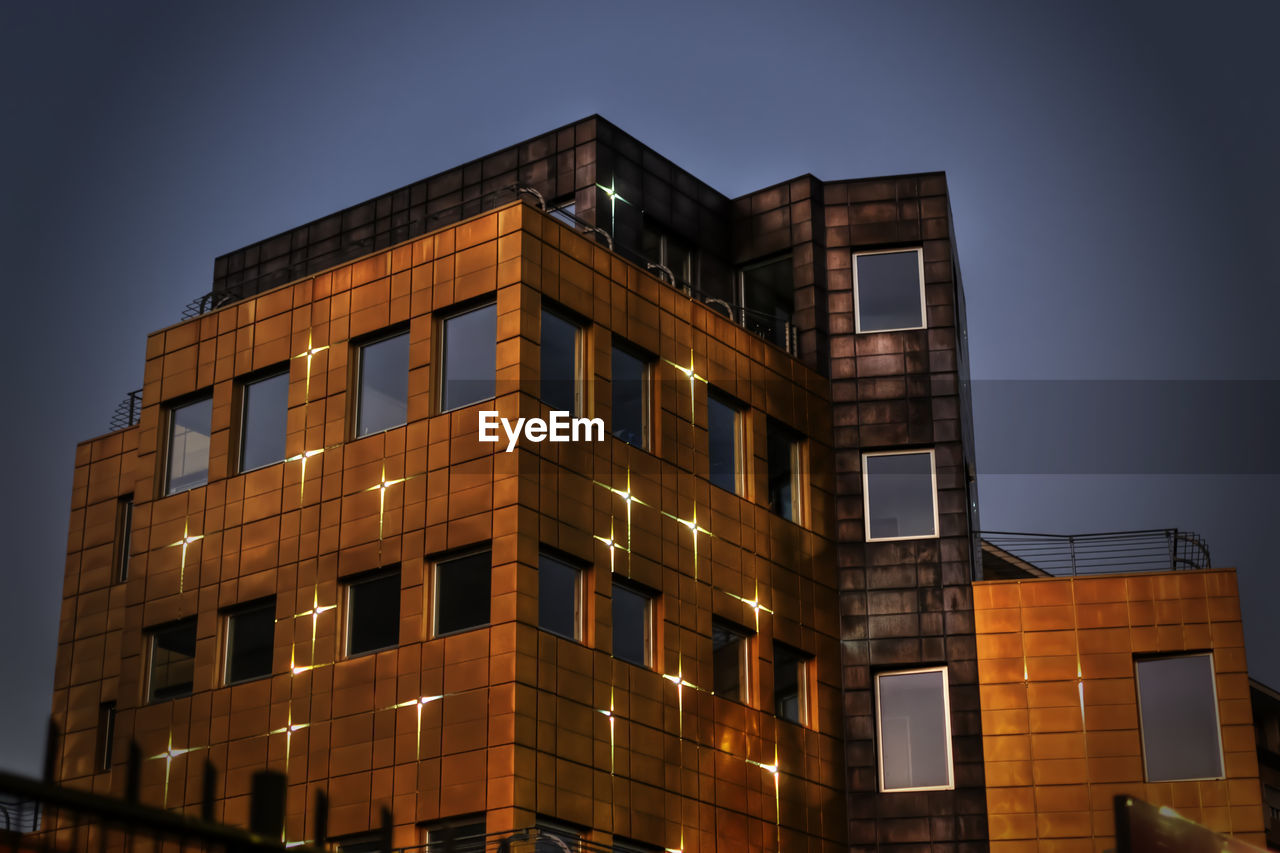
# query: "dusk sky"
x,y
1112,166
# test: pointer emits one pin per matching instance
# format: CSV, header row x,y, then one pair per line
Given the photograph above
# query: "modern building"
x,y
735,611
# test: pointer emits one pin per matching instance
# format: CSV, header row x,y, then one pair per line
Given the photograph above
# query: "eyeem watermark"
x,y
560,428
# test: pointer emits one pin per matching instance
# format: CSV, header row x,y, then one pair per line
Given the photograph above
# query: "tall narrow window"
x,y
1178,709
888,290
730,660
462,592
171,671
559,597
790,683
265,402
382,390
670,251
768,298
106,736
900,495
187,460
559,364
632,624
468,347
124,534
783,449
913,721
724,434
250,641
373,612
630,420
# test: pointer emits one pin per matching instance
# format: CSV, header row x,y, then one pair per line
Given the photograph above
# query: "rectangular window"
x,y
900,495
555,837
724,435
1178,711
669,251
632,624
790,683
456,835
767,295
171,672
373,612
630,421
382,384
564,210
626,845
888,290
559,597
730,660
559,368
250,642
913,721
468,347
106,736
124,535
361,842
187,462
264,403
462,592
783,449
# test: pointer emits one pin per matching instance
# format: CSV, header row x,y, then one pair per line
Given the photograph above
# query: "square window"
x,y
888,290
250,642
632,624
1178,710
124,536
382,385
724,437
264,403
767,295
783,449
456,835
462,592
559,369
790,683
468,347
559,597
900,495
630,421
373,612
187,463
730,662
913,721
171,671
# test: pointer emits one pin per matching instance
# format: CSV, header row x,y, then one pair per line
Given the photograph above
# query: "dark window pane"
x,y
788,682
888,291
364,842
173,658
729,660
266,401
722,442
250,642
189,428
915,747
462,592
631,625
769,298
630,409
382,400
470,357
373,613
781,449
570,838
557,596
1180,729
899,495
456,837
106,736
626,845
559,365
124,534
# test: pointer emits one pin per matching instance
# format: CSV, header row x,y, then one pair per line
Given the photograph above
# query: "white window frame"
x,y
1217,718
946,719
866,494
857,307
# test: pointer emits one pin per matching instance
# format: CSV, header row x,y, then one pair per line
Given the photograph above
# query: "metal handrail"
x,y
127,411
1161,549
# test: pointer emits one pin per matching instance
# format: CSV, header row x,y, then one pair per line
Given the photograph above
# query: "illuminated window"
x,y
382,387
264,402
187,460
913,721
106,736
124,535
724,436
888,290
250,641
783,450
462,592
630,419
790,683
559,597
468,347
456,835
632,624
730,660
171,671
373,612
1178,708
560,363
900,495
767,294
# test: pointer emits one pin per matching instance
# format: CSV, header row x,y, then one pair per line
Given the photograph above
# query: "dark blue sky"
x,y
1112,169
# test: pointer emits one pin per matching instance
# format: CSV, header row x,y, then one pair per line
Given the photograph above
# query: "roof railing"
x,y
1101,553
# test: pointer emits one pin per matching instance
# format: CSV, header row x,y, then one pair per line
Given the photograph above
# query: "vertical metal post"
x,y
1172,536
1071,547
